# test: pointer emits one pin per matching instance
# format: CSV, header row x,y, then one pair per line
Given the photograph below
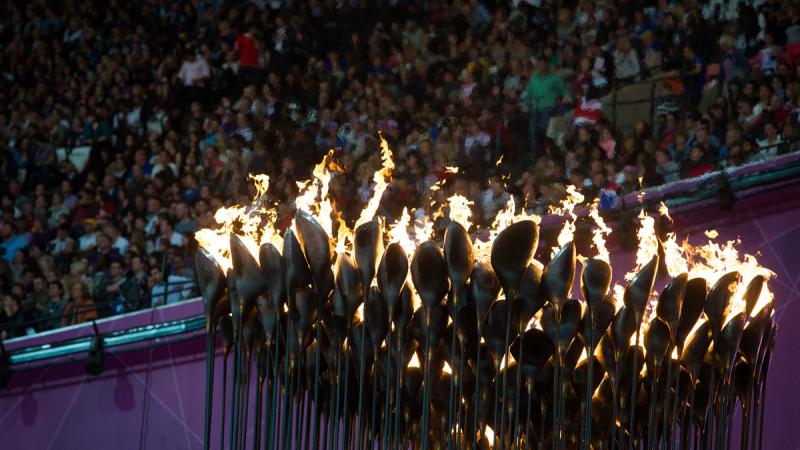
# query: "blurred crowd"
x,y
125,125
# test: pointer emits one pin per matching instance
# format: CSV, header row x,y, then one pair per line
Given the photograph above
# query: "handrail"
x,y
117,338
96,306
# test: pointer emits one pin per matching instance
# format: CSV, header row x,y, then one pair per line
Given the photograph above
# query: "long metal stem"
x,y
315,404
503,408
235,394
763,408
477,431
300,412
632,399
427,388
246,409
589,383
651,412
398,385
334,418
496,405
273,403
460,428
529,385
676,405
287,394
556,432
450,406
373,400
743,436
614,402
754,412
210,351
224,392
361,377
664,425
709,408
386,405
731,409
518,384
345,412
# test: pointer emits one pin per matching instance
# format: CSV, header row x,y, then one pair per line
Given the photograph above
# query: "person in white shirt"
x,y
60,242
193,74
118,242
493,199
168,236
176,288
89,237
626,62
194,70
772,141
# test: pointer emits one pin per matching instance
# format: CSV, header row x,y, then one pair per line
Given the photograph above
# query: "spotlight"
x,y
96,362
5,366
725,194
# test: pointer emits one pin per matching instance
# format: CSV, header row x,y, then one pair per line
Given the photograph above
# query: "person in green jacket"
x,y
544,91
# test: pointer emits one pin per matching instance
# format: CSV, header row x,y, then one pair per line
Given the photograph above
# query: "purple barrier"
x,y
60,407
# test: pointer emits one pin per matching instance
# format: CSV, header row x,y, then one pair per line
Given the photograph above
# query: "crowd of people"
x,y
125,125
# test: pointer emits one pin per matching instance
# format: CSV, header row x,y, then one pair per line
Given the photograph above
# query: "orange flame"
x,y
460,210
255,224
567,234
599,233
381,179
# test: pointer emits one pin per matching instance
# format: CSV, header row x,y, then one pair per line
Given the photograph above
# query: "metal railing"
x,y
96,307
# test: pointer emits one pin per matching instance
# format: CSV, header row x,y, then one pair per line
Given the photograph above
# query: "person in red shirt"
x,y
248,48
697,164
247,45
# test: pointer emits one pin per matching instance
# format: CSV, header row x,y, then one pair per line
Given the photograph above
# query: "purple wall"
x,y
59,407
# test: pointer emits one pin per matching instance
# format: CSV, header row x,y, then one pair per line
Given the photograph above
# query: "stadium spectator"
x,y
125,126
81,306
544,91
54,309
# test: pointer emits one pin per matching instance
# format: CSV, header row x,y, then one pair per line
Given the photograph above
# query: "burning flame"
x,y
505,217
414,361
713,260
710,260
648,242
489,433
460,210
446,369
381,179
567,208
398,233
599,234
255,224
314,195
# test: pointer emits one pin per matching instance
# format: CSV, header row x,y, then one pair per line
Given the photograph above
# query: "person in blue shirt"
x,y
13,241
694,75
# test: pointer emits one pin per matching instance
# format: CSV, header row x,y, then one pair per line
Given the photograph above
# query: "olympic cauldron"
x,y
439,348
